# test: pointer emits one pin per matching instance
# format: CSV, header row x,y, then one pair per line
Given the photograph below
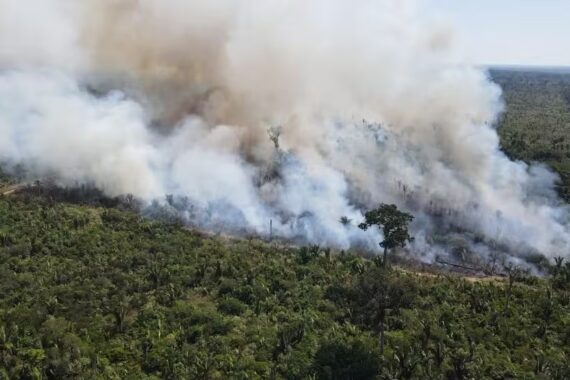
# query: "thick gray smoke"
x,y
247,111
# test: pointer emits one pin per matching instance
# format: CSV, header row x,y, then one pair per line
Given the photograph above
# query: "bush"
x,y
232,306
355,358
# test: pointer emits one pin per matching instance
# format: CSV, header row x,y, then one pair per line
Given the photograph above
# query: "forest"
x,y
92,292
90,289
536,123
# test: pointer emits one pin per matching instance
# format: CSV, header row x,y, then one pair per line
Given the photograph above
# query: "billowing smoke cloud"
x,y
298,112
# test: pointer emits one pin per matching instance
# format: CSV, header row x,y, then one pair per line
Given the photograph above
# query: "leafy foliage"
x,y
392,222
92,292
536,123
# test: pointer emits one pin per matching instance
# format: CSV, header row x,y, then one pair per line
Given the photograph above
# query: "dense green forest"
x,y
536,123
99,292
89,289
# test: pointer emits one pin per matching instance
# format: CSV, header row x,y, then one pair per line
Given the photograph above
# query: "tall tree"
x,y
393,223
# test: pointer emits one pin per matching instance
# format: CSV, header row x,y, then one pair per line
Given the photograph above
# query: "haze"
x,y
509,32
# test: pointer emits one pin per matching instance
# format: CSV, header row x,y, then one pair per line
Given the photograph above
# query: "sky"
x,y
509,32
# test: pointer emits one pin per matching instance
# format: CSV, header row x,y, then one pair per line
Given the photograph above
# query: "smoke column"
x,y
246,111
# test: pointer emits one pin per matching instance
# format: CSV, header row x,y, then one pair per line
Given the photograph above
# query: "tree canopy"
x,y
392,222
91,292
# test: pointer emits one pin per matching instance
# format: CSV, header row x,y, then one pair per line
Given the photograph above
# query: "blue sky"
x,y
510,32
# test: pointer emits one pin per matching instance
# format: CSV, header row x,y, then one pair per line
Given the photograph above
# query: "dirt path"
x,y
7,190
437,273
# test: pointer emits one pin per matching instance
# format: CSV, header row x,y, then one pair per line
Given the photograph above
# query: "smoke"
x,y
298,112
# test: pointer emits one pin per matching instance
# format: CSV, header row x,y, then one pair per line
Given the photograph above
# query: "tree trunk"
x,y
385,256
382,335
509,292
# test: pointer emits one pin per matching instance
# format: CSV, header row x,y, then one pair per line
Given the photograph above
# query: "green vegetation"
x,y
91,292
394,225
536,124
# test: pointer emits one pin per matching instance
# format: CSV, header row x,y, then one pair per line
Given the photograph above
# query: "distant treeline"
x,y
536,123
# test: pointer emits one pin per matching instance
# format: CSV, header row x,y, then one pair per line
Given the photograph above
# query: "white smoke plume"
x,y
157,97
